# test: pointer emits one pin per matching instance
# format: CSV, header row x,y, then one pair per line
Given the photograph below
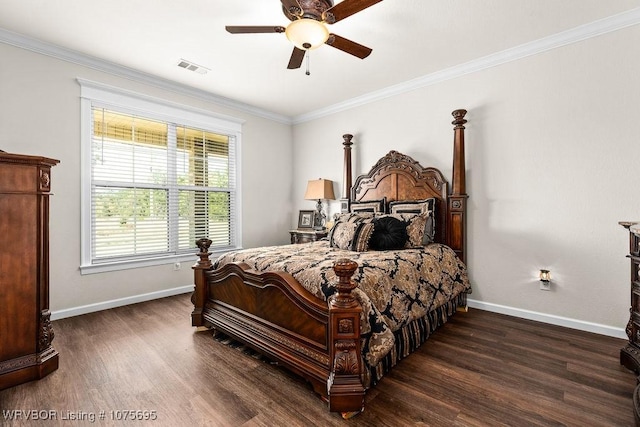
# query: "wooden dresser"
x,y
26,353
630,353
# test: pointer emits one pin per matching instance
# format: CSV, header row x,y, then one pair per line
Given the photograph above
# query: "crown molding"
x,y
34,45
582,32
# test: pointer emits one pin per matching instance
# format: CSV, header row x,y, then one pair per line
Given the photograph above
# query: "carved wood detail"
x,y
255,328
393,163
345,326
346,359
344,387
344,269
17,363
45,180
46,334
204,244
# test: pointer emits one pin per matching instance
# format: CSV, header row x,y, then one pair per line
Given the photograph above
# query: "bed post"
x,y
344,386
199,296
456,211
346,178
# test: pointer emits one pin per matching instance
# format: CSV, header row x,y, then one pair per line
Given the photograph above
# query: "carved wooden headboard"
x,y
397,176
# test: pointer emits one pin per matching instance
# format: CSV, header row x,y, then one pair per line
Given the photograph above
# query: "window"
x,y
157,177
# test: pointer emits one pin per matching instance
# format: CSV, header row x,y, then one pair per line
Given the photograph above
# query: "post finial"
x,y
458,118
204,244
347,176
344,269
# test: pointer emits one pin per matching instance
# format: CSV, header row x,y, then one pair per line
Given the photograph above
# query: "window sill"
x,y
106,267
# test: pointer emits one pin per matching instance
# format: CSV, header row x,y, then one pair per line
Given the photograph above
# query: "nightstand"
x,y
307,235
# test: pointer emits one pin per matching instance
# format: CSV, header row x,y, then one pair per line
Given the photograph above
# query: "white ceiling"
x,y
410,39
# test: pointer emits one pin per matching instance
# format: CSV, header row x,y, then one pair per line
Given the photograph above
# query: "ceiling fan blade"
x,y
296,58
346,8
348,46
235,29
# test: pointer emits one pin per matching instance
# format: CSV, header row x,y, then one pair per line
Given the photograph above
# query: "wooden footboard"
x,y
272,313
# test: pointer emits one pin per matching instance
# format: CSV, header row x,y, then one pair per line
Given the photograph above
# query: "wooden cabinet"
x,y
26,353
630,353
306,236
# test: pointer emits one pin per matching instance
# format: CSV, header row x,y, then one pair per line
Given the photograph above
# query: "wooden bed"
x,y
321,340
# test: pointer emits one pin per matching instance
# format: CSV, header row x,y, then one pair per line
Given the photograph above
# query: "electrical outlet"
x,y
545,285
176,266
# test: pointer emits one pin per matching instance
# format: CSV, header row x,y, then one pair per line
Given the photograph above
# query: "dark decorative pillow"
x,y
415,224
374,206
427,206
389,233
351,236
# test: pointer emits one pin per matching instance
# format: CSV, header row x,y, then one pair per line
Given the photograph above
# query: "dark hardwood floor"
x,y
481,369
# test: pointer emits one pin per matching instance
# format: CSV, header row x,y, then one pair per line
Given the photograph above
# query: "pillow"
x,y
351,236
389,233
412,206
418,206
351,218
354,217
416,230
415,225
374,206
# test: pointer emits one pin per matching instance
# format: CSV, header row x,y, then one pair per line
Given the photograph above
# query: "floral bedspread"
x,y
394,287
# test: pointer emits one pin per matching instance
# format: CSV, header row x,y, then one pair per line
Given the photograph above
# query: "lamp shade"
x,y
319,189
307,33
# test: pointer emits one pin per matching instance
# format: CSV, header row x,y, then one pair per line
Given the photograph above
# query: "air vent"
x,y
188,65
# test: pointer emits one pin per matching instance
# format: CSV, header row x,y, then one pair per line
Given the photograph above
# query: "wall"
x,y
40,115
552,160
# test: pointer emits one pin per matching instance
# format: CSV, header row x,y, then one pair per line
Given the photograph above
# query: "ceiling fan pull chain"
x,y
308,73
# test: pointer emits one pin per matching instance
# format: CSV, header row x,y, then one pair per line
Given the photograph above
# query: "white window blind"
x,y
156,176
158,186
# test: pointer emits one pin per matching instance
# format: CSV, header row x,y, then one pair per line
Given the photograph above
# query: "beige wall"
x,y
552,152
40,115
552,166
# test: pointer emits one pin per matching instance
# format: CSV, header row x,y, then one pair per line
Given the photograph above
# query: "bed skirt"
x,y
411,336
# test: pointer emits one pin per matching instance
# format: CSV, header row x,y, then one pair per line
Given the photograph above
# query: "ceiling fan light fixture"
x,y
306,33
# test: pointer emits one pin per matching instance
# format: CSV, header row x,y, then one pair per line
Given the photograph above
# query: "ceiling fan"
x,y
307,29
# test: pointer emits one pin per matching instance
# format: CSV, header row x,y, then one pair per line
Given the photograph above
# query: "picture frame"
x,y
306,219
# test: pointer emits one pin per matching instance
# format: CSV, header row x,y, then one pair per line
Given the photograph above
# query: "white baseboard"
x,y
105,305
550,318
495,308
